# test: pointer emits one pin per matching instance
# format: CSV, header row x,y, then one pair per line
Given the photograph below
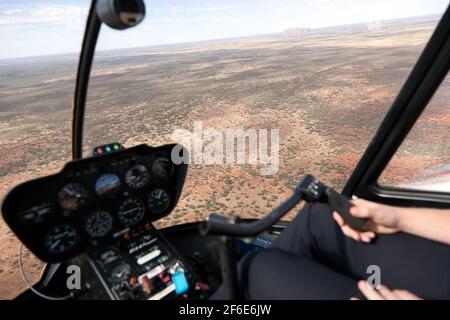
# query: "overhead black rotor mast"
x,y
117,14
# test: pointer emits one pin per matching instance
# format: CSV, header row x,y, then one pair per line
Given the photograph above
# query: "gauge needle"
x,y
131,210
55,244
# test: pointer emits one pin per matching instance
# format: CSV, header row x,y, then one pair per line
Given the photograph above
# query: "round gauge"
x,y
98,224
120,273
162,168
137,176
73,196
131,211
158,201
107,184
61,239
108,256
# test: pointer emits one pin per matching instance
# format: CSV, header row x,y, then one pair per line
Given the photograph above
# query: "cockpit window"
x,y
305,83
40,42
423,160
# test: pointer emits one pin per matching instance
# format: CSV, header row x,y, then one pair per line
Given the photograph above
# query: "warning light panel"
x,y
108,148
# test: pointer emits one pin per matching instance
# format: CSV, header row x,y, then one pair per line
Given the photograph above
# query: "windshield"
x,y
261,92
305,83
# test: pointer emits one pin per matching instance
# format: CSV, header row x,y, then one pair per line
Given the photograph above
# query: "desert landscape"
x,y
326,90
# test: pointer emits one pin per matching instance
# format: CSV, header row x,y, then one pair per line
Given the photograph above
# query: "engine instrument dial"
x,y
158,201
61,239
73,196
98,224
137,176
120,272
131,211
162,168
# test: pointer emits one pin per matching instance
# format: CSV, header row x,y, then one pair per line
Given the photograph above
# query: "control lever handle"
x,y
315,191
342,205
309,189
231,226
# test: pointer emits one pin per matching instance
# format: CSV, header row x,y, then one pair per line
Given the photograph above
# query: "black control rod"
x,y
231,226
309,189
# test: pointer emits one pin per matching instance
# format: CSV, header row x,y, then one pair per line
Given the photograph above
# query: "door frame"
x,y
425,78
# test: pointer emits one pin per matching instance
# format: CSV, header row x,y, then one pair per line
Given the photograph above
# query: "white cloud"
x,y
183,9
70,15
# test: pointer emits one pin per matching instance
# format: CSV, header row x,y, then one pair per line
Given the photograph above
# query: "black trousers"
x,y
312,259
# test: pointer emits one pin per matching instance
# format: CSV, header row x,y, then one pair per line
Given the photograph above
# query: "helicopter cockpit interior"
x,y
98,212
113,180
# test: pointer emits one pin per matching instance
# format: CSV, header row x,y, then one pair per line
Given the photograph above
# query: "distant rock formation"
x,y
295,31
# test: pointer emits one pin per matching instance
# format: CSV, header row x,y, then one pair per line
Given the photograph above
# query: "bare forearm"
x,y
433,224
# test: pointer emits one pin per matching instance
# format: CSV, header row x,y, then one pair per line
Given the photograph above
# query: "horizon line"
x,y
25,57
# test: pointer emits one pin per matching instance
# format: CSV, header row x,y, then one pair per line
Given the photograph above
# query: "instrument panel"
x,y
93,200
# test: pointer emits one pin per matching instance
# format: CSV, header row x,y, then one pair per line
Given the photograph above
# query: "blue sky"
x,y
38,27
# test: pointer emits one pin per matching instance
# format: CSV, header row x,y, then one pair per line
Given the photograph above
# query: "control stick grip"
x,y
218,224
342,206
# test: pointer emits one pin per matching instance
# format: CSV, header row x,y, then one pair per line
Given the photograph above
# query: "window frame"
x,y
425,78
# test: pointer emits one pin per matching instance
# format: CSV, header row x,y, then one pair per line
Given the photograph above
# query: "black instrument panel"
x,y
93,200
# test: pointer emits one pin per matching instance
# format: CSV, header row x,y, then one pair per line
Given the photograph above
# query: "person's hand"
x,y
381,219
384,293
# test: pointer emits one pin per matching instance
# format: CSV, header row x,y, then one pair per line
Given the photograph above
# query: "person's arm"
x,y
433,224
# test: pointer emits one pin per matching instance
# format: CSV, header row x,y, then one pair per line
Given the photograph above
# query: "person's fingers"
x,y
354,298
387,294
368,292
349,232
338,219
360,212
363,203
370,234
365,237
406,295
